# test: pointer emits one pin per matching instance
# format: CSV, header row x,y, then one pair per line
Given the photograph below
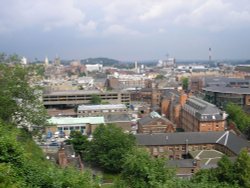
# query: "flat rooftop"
x,y
77,92
234,90
72,120
101,107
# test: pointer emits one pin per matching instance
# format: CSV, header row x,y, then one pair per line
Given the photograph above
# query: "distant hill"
x,y
100,60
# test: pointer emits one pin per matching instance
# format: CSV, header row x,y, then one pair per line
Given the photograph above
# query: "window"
x,y
66,128
183,148
155,150
161,149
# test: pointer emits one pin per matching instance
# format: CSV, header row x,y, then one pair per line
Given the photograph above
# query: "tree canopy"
x,y
184,81
140,170
108,147
95,99
235,174
23,164
19,102
239,117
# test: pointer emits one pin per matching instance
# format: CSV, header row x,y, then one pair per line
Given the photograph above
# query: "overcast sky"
x,y
126,29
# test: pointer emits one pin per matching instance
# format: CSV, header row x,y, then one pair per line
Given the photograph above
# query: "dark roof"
x,y
223,81
168,93
202,110
226,138
181,163
109,118
221,89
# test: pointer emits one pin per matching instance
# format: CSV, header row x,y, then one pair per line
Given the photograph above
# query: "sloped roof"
x,y
226,138
151,117
203,110
112,118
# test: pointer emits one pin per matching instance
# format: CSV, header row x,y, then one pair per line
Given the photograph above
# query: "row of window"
x,y
162,149
71,128
100,111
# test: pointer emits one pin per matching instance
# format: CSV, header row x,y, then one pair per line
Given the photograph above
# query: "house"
x,y
155,123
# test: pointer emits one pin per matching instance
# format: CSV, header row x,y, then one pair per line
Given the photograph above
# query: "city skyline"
x,y
126,30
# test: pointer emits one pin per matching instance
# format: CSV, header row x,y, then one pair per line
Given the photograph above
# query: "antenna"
x,y
210,54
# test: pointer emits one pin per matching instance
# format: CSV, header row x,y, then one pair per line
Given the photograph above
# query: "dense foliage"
x,y
184,81
239,117
79,141
22,164
149,172
19,102
232,173
108,147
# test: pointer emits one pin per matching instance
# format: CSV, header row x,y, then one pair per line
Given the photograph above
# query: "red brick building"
x,y
154,123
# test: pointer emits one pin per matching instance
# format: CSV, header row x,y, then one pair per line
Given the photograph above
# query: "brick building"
x,y
172,104
191,113
154,123
179,145
199,115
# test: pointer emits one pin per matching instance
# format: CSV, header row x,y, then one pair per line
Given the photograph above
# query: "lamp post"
x,y
186,147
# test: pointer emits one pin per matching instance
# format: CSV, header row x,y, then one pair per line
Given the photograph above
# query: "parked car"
x,y
54,144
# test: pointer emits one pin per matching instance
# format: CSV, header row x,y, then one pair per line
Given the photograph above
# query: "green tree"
x,y
79,142
19,102
239,117
22,164
242,169
224,172
95,99
140,170
184,81
108,147
159,77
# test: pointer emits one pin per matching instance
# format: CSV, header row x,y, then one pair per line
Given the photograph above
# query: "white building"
x,y
100,110
94,67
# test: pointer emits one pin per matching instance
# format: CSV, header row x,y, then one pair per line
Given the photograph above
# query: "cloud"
x,y
119,30
131,16
89,28
45,14
216,15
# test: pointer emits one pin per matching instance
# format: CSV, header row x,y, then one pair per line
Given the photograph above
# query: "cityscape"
x,y
125,94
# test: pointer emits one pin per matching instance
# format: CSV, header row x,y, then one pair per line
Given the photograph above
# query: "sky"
x,y
126,30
